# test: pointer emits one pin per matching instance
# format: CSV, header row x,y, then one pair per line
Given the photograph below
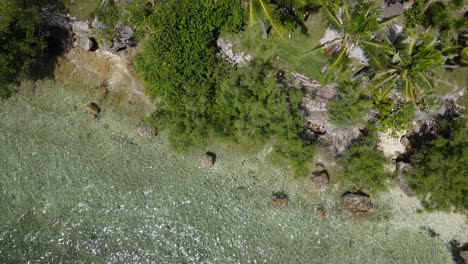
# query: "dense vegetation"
x,y
203,96
351,106
363,165
441,169
21,37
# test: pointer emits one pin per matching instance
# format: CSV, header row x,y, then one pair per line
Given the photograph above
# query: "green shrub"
x,y
257,103
395,115
350,106
363,165
441,169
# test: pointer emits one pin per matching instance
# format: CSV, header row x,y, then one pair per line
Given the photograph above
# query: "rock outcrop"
x,y
57,32
318,129
358,203
124,39
427,127
237,58
82,32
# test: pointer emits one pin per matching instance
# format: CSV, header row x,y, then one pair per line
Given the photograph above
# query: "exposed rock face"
x,y
124,38
321,179
56,29
144,130
358,203
208,159
235,58
427,127
318,129
279,199
93,109
82,31
464,255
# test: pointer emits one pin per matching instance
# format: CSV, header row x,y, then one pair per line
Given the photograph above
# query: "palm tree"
x,y
355,29
261,9
411,68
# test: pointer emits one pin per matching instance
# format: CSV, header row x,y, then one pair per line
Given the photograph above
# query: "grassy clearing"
x,y
82,9
457,77
289,53
79,190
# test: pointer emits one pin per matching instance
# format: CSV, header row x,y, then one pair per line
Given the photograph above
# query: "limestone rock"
x,y
280,199
237,58
124,38
82,31
208,159
358,203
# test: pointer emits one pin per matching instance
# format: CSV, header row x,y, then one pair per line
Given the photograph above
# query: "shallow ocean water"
x,y
76,190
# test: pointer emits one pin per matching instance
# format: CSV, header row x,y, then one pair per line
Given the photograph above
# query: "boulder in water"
x,y
358,203
145,130
320,212
93,109
208,159
279,199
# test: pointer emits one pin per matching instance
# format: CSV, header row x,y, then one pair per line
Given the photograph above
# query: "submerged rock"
x,y
145,131
358,203
320,212
93,109
321,179
208,159
279,199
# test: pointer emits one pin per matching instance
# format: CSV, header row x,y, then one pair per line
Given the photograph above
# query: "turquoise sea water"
x,y
76,190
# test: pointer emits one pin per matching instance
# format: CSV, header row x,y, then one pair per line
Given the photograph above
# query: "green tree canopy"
x,y
440,174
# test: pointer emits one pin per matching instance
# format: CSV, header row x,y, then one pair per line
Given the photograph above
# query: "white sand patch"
x,y
330,35
390,144
357,53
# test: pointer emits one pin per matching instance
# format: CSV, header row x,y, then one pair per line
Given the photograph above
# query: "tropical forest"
x,y
234,131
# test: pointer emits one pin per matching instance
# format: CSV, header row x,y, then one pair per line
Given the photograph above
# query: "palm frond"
x,y
331,15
